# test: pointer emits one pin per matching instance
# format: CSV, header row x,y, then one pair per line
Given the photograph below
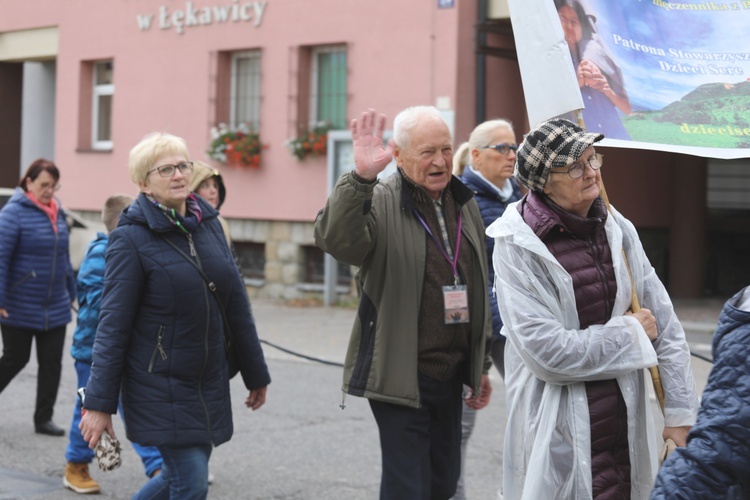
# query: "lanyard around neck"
x,y
453,262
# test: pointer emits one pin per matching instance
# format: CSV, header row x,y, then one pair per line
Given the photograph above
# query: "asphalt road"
x,y
300,445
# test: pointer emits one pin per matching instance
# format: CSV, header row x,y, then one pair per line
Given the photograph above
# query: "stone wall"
x,y
284,256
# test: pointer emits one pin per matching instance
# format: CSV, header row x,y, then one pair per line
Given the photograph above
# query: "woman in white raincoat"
x,y
579,417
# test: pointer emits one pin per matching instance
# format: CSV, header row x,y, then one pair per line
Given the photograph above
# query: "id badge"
x,y
456,301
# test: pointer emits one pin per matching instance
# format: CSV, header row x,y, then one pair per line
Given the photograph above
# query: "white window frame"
x,y
316,52
255,114
97,92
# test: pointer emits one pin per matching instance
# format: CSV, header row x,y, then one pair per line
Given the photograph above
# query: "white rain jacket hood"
x,y
548,359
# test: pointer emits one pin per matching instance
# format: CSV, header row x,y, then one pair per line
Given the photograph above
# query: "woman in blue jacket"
x,y
485,164
160,342
36,286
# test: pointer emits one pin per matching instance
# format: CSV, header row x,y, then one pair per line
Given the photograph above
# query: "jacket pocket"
x,y
27,277
159,349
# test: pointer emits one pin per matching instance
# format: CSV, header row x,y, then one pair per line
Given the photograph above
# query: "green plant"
x,y
235,146
313,142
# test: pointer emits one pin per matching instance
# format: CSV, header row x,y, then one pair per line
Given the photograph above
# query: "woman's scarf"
x,y
191,220
51,209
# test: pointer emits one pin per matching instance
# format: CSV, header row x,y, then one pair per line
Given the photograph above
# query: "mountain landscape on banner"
x,y
714,114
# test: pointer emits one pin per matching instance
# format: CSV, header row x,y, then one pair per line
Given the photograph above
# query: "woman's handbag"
x,y
234,360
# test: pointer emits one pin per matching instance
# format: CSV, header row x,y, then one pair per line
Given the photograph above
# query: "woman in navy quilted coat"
x,y
716,461
485,164
160,340
36,286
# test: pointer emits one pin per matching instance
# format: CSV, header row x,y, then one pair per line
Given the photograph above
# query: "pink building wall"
x,y
398,54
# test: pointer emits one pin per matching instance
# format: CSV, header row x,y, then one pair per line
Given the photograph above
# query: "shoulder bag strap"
x,y
211,286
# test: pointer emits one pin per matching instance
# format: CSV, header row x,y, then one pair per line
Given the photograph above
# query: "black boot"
x,y
48,428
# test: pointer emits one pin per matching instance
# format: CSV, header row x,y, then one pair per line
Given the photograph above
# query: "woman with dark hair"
x,y
36,286
599,76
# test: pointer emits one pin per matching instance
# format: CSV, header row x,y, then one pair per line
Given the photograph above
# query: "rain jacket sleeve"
x,y
681,398
537,304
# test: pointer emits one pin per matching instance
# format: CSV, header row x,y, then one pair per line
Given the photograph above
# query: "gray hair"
x,y
408,119
480,138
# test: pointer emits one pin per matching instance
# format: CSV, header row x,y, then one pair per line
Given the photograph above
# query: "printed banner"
x,y
652,74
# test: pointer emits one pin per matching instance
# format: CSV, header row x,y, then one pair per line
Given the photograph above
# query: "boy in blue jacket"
x,y
89,284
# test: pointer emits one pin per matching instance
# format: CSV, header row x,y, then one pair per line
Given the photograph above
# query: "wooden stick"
x,y
635,306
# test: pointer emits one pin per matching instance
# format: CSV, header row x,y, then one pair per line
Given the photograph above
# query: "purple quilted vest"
x,y
580,245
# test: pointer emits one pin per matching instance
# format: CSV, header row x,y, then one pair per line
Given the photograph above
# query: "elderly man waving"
x,y
423,320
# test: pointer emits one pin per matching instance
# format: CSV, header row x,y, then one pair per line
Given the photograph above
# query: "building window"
x,y
314,267
328,86
103,90
728,184
244,94
251,258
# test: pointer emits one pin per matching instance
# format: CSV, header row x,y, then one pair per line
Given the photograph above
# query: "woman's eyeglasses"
x,y
575,171
503,149
168,170
49,187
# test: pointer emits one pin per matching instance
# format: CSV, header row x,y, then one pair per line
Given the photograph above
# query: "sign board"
x,y
340,161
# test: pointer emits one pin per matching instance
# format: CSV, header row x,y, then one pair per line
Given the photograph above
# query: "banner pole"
x,y
635,305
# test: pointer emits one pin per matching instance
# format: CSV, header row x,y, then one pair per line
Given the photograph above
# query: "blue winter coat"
x,y
491,206
89,284
716,461
36,279
160,339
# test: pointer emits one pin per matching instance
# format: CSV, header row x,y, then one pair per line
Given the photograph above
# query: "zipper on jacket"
x,y
359,367
192,247
343,398
205,340
602,274
205,358
51,282
31,274
158,349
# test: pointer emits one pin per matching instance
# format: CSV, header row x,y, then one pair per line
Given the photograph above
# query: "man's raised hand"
x,y
370,157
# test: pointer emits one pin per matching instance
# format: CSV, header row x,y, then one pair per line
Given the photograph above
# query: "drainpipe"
x,y
481,74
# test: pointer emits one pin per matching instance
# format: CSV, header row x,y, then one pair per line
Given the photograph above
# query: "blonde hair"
x,y
113,207
152,147
461,158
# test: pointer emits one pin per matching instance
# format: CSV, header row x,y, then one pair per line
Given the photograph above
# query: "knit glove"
x,y
108,452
